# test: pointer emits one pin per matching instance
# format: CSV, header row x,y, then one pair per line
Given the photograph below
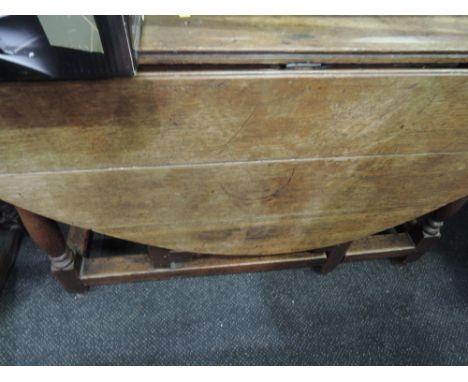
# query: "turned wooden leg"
x,y
335,255
427,233
47,236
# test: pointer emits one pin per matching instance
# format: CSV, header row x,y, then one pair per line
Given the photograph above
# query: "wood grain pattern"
x,y
237,163
299,33
246,208
179,118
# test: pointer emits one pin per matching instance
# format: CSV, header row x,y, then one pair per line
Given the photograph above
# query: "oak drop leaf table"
x,y
246,143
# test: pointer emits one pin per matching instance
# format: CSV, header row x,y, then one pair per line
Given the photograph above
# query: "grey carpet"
x,y
362,313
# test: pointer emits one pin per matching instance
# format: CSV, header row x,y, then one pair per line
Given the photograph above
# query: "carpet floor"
x,y
363,313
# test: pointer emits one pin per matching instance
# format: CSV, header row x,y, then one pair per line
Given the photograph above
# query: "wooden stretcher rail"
x,y
138,267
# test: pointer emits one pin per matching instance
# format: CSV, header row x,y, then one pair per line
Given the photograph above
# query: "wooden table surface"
x,y
247,161
273,39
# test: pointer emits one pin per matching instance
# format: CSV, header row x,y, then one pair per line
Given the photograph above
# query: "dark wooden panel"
x,y
159,60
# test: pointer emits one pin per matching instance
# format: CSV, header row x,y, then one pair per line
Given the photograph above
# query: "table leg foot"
x,y
48,237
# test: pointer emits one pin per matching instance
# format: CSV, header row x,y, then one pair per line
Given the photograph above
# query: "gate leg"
x,y
335,255
428,232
